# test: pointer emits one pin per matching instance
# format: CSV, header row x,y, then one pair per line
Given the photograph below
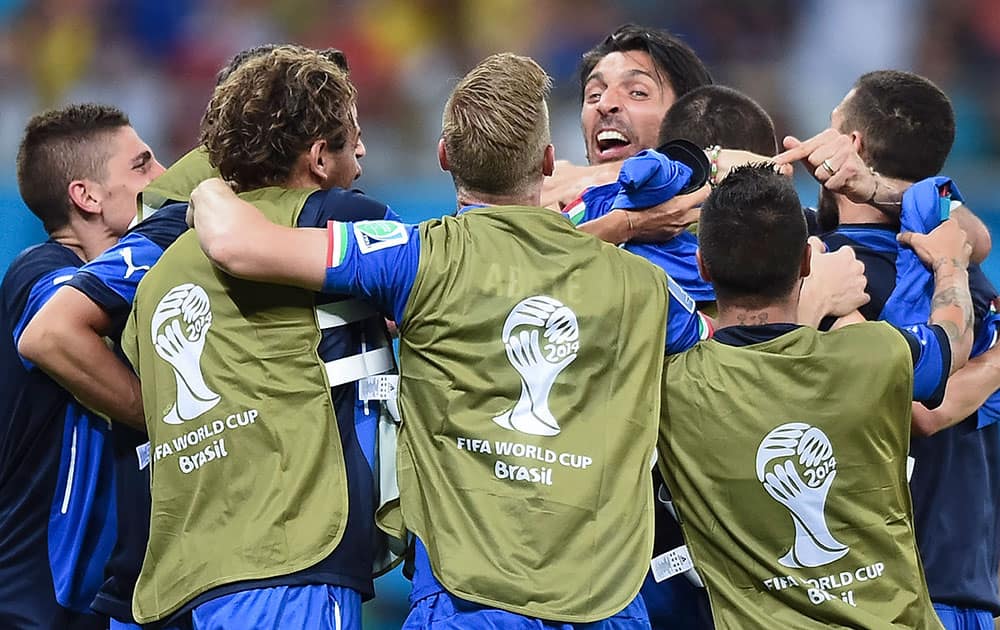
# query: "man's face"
x,y
346,167
131,165
624,101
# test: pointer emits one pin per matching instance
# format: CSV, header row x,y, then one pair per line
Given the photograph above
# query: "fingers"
x,y
906,238
818,246
806,149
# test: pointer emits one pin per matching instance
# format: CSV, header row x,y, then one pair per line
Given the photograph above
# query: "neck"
x,y
87,242
734,313
530,197
851,212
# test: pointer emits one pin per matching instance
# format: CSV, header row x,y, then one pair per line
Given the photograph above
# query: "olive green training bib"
x,y
248,478
177,182
530,360
787,464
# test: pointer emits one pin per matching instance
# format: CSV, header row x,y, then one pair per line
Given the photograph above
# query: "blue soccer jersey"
x,y
111,281
57,523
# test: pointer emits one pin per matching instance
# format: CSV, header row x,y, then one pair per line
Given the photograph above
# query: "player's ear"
x,y
549,160
702,269
858,141
317,164
85,195
443,156
806,267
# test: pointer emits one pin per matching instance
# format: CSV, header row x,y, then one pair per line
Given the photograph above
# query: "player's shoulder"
x,y
37,261
163,227
339,204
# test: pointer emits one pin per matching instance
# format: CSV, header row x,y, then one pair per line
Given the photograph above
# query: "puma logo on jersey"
x,y
129,267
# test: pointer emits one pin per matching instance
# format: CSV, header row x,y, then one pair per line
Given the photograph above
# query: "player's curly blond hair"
x,y
271,109
496,125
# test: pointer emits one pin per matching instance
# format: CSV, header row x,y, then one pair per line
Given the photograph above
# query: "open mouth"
x,y
612,144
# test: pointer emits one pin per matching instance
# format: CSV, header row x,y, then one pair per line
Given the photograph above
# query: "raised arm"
x,y
569,180
66,340
240,240
946,251
376,260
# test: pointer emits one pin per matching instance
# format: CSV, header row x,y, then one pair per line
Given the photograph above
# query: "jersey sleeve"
x,y
375,260
931,354
41,291
592,204
686,326
111,279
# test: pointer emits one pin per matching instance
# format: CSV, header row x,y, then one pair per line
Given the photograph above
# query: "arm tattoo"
x,y
953,292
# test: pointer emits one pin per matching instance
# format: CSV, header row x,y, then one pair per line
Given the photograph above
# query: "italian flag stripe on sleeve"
x,y
705,329
576,210
336,243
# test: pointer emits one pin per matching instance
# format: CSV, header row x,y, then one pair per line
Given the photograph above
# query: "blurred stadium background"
x,y
157,60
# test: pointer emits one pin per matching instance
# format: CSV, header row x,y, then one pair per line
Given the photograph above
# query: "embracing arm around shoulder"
x,y
66,340
241,241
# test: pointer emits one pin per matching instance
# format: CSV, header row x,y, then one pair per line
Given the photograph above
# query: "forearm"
x,y
615,227
976,231
951,308
79,359
967,390
569,181
248,246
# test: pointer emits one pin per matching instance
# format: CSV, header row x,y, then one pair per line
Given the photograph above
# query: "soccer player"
x,y
66,339
79,170
706,116
237,379
784,448
902,125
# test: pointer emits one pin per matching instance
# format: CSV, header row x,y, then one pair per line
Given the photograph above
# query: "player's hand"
x,y
831,158
662,222
947,243
836,280
206,195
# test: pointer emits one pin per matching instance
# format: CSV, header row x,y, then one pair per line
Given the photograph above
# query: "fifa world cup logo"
x,y
542,337
180,322
796,465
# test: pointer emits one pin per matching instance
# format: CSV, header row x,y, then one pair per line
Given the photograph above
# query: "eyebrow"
x,y
597,76
141,159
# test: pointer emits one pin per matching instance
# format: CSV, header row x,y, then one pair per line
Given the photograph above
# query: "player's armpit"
x,y
66,340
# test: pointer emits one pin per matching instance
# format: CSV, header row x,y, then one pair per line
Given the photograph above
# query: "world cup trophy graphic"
x,y
180,322
541,337
800,478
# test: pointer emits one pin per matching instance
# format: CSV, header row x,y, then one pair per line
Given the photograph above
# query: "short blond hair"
x,y
496,125
271,109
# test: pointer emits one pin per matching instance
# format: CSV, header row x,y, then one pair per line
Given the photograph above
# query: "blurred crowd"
x,y
157,60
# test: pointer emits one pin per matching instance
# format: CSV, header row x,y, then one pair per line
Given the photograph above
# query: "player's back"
x,y
785,455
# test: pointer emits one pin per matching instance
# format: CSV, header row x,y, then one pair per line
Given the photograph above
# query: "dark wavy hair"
x,y
271,109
